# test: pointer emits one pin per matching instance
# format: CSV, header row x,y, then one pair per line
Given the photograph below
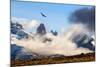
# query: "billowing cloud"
x,y
32,24
26,23
85,16
61,44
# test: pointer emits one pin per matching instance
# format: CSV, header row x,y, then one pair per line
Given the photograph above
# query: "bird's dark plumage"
x,y
43,15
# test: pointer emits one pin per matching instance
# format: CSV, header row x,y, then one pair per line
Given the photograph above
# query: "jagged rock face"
x,y
41,30
17,30
22,34
15,50
84,41
20,53
54,33
15,27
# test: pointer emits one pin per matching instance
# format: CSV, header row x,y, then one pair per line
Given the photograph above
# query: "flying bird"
x,y
43,15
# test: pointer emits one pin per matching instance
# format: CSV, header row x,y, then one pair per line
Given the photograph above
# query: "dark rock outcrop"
x,y
84,41
15,50
16,29
41,30
54,32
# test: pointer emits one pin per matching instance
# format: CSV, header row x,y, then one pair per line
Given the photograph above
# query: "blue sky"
x,y
57,14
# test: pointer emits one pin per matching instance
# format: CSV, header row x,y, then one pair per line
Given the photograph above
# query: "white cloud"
x,y
61,44
33,24
27,24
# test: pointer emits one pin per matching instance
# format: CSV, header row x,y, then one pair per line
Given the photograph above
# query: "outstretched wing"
x,y
43,15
